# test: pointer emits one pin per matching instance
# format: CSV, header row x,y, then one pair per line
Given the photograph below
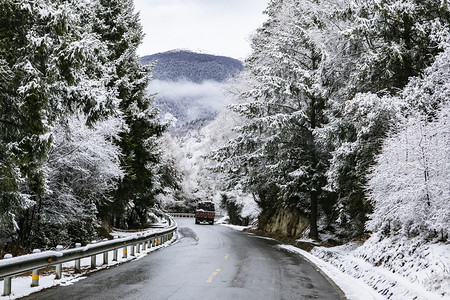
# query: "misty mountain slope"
x,y
196,67
190,86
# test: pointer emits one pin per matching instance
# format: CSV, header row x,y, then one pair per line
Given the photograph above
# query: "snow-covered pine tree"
x,y
119,27
396,40
56,67
240,158
10,177
277,152
409,185
83,169
170,186
24,104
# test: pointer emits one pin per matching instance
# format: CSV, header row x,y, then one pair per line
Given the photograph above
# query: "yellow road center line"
x,y
214,274
226,256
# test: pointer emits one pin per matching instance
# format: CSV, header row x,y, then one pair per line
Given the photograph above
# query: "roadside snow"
x,y
393,268
352,287
235,227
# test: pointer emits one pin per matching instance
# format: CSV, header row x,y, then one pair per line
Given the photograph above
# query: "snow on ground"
x,y
386,270
408,268
352,287
21,284
412,281
360,270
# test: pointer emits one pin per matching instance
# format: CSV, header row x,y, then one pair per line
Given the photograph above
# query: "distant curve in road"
x,y
208,262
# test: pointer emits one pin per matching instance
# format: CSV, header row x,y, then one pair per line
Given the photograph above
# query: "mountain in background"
x,y
190,86
191,66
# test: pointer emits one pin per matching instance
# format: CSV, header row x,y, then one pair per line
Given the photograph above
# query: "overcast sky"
x,y
220,27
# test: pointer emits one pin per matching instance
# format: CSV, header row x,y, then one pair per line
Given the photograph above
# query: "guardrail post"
x,y
132,249
58,273
105,256
77,261
138,249
124,253
35,273
94,258
93,261
7,280
144,246
115,251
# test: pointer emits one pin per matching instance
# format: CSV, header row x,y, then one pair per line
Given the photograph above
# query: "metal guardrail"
x,y
182,215
189,215
11,266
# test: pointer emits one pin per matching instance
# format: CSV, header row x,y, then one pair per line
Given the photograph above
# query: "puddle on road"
x,y
187,235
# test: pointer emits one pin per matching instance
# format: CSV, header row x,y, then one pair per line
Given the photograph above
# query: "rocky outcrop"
x,y
286,223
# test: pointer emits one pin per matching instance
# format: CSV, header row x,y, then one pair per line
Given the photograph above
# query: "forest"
x,y
342,112
79,135
340,116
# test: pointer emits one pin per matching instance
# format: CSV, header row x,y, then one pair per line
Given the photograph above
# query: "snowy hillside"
x,y
195,67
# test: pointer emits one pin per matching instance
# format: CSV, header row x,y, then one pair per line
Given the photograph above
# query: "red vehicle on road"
x,y
205,212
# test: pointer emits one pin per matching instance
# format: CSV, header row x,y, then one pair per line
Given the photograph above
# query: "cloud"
x,y
189,101
216,27
208,93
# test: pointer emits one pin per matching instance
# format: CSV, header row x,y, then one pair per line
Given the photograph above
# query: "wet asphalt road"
x,y
208,262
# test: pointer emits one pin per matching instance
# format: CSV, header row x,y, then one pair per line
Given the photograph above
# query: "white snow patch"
x,y
397,268
353,288
236,227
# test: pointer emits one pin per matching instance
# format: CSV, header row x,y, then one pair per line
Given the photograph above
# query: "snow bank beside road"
x,y
352,287
396,268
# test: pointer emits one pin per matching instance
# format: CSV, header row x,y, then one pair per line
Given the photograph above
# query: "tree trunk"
x,y
313,232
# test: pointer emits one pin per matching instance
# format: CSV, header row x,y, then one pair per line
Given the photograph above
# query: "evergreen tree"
x,y
285,106
120,29
54,67
396,40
